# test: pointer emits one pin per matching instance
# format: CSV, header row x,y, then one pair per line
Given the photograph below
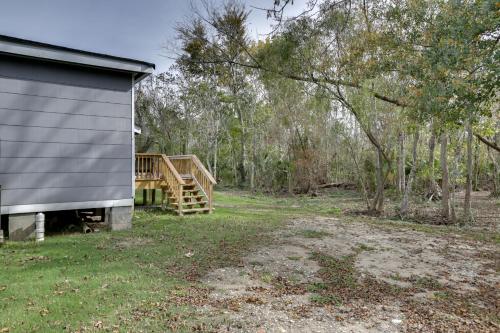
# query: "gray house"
x,y
66,132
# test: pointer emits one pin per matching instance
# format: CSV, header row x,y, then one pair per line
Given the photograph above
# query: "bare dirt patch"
x,y
324,275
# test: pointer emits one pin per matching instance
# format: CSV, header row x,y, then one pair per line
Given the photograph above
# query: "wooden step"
x,y
186,192
196,210
193,203
197,197
187,187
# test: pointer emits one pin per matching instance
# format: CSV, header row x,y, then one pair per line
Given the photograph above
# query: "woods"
x,y
397,98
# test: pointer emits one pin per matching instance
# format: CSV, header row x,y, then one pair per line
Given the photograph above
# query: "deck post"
x,y
210,200
179,201
163,198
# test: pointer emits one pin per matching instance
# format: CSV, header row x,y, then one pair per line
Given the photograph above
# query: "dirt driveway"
x,y
326,275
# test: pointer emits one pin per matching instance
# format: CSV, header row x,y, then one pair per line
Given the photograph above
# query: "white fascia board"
x,y
36,51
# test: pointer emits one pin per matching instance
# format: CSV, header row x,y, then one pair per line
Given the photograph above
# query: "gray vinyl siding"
x,y
65,133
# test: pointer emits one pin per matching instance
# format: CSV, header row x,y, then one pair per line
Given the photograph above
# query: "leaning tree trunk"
x,y
495,159
411,178
468,188
445,202
496,171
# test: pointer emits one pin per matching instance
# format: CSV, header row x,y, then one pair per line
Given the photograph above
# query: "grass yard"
x,y
93,281
148,279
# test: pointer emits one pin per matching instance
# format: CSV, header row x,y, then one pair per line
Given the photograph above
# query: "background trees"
x,y
351,92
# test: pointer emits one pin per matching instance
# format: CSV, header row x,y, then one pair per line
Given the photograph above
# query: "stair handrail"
x,y
198,164
172,170
202,168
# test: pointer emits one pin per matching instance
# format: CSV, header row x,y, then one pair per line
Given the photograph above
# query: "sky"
x,y
138,29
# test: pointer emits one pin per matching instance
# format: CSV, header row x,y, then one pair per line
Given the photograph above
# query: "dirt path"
x,y
325,275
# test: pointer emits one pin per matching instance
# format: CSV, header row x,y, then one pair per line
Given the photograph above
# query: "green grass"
x,y
81,281
135,280
313,234
426,282
328,299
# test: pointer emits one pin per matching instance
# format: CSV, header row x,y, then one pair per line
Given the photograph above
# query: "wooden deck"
x,y
186,185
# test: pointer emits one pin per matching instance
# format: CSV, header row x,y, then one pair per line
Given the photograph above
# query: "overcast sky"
x,y
129,28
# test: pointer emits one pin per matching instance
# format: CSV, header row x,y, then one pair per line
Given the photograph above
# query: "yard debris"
x,y
86,229
98,324
189,254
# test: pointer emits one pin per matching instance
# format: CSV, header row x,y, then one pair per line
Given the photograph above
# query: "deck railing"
x,y
147,166
157,167
170,169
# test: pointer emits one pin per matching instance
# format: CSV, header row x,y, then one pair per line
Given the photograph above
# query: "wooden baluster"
x,y
157,176
148,161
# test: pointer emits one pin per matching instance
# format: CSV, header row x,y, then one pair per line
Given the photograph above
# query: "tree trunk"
x,y
254,156
290,172
495,192
495,160
243,153
455,173
404,203
445,186
401,164
468,188
361,179
216,156
434,190
378,201
476,167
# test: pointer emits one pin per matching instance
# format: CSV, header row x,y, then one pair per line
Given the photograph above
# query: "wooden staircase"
x,y
185,183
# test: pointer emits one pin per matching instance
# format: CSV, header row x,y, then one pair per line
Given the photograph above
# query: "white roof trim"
x,y
68,56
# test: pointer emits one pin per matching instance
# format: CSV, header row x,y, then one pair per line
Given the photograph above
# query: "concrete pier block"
x,y
120,218
21,227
